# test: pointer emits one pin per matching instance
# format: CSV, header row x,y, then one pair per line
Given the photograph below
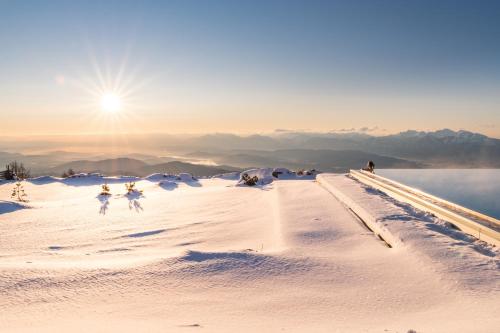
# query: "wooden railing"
x,y
474,223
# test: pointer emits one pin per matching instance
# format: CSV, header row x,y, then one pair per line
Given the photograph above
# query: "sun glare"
x,y
110,103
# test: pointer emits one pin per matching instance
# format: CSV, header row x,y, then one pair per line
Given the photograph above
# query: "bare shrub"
x,y
69,173
15,171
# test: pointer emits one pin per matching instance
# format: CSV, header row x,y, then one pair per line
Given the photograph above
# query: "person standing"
x,y
370,167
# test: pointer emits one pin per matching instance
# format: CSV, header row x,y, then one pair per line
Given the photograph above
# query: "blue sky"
x,y
206,66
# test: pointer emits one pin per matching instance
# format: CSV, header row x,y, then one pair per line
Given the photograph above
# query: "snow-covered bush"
x,y
250,181
283,173
256,177
303,172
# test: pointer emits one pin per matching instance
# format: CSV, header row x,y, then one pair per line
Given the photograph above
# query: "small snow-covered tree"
x,y
105,190
131,188
18,192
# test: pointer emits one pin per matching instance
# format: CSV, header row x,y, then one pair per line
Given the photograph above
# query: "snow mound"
x,y
159,177
228,176
168,185
183,177
83,179
170,182
96,179
44,180
186,177
9,206
121,179
85,175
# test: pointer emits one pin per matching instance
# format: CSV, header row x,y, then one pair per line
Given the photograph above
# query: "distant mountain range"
x,y
443,148
326,160
133,167
320,159
336,152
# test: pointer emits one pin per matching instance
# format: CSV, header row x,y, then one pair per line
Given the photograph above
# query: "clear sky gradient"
x,y
249,66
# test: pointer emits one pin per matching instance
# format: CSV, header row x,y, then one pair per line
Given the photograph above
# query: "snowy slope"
x,y
190,255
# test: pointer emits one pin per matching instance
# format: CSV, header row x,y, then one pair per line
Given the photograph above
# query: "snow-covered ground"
x,y
207,255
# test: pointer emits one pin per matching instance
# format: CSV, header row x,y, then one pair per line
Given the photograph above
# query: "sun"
x,y
110,102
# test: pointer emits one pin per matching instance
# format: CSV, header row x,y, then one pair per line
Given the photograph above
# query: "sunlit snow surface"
x,y
191,255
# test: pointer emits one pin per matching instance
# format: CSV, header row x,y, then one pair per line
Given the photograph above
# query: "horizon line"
x,y
368,132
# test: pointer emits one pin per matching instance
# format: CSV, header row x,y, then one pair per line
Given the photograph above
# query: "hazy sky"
x,y
249,66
